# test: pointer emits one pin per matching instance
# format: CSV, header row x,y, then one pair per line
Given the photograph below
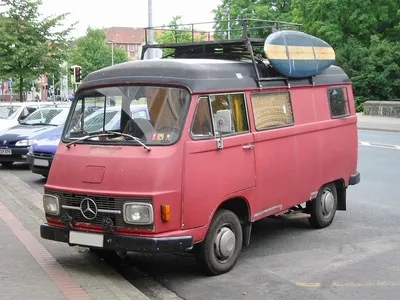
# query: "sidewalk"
x,y
34,268
378,123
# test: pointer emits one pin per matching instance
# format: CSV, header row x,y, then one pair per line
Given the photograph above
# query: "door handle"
x,y
248,146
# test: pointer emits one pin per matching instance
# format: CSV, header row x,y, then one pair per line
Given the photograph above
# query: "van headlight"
x,y
138,213
51,204
30,150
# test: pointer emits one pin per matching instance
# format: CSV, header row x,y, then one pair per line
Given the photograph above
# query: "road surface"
x,y
357,257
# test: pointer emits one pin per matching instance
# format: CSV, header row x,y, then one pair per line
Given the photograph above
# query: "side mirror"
x,y
224,125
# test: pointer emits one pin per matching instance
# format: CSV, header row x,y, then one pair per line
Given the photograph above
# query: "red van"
x,y
232,136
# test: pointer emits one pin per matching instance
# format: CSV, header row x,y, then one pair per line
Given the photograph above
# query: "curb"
x,y
378,129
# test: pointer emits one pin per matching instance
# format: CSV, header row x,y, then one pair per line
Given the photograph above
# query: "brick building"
x,y
127,38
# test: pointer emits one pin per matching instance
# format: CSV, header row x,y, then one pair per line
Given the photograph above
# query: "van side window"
x,y
338,102
231,108
202,124
272,110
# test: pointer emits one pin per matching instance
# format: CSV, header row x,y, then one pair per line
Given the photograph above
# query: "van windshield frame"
x,y
155,114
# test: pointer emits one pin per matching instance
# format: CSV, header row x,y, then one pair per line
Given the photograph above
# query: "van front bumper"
x,y
123,242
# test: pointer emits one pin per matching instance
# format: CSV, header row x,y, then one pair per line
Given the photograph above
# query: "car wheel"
x,y
220,250
323,208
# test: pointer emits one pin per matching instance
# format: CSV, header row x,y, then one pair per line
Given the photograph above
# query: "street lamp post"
x,y
228,12
112,52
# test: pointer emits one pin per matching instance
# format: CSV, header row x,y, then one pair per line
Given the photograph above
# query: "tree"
x,y
338,20
30,44
279,10
92,53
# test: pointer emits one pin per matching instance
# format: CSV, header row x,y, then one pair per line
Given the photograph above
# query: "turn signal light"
x,y
165,212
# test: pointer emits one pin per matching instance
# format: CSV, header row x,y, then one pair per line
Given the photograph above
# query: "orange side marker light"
x,y
165,212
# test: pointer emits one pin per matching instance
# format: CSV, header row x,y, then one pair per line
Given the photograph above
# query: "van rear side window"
x,y
272,109
338,102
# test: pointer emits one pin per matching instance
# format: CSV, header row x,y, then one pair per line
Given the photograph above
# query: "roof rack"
x,y
213,44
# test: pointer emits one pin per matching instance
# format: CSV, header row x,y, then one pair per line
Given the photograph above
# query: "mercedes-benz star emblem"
x,y
88,208
4,142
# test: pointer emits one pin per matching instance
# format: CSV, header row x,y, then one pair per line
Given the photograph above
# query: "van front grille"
x,y
111,207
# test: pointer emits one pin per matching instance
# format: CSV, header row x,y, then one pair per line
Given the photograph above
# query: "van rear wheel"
x,y
220,250
323,208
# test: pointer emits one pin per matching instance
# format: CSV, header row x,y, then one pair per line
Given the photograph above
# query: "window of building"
x,y
338,102
132,48
222,113
272,110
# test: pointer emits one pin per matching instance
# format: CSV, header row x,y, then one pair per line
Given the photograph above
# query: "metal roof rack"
x,y
211,44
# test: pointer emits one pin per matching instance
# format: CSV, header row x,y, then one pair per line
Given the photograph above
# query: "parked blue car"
x,y
41,153
15,142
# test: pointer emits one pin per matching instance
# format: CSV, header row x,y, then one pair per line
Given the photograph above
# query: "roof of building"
x,y
125,35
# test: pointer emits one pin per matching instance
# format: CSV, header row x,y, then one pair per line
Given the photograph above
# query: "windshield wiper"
x,y
34,124
108,133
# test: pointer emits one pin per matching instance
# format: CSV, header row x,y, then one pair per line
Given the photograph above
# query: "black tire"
x,y
322,215
207,254
6,164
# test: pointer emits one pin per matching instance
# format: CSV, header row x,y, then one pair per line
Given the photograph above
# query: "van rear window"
x,y
272,109
338,102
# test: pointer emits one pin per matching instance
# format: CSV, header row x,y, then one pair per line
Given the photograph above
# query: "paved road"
x,y
357,257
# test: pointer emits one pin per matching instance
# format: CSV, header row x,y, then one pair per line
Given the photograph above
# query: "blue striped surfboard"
x,y
298,54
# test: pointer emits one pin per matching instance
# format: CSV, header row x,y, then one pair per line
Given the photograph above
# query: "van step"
x,y
293,215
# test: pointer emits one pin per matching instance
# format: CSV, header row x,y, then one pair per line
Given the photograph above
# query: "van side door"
x,y
212,174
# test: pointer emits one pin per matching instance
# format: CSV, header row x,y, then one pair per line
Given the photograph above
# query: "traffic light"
x,y
78,74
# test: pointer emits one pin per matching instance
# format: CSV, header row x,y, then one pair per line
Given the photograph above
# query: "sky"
x,y
128,13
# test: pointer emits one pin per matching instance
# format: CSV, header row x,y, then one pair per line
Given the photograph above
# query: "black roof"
x,y
202,75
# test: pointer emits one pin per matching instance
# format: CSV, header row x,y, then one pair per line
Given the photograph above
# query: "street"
x,y
357,257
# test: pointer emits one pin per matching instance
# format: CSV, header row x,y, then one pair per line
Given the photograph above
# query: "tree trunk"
x,y
21,89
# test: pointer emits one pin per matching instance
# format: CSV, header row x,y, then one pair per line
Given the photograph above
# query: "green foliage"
x,y
279,10
337,20
30,45
92,53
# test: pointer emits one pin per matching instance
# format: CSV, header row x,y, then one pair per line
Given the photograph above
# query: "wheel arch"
x,y
240,206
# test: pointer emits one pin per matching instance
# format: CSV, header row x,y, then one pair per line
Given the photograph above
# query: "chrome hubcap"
x,y
224,243
327,203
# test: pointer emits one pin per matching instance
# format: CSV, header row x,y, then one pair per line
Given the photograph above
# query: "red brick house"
x,y
130,38
127,38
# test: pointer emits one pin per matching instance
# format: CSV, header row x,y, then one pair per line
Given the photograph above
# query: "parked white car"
x,y
12,113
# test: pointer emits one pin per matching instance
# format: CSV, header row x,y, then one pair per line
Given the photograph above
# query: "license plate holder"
x,y
40,162
86,239
5,152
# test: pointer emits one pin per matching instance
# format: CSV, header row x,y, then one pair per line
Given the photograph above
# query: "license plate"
x,y
41,162
87,239
5,152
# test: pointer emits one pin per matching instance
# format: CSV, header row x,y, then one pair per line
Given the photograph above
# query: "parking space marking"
x,y
348,284
379,145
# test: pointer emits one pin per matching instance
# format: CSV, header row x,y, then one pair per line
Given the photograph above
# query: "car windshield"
x,y
155,115
47,116
7,111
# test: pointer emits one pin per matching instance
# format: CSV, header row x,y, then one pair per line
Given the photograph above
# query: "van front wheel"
x,y
220,250
323,208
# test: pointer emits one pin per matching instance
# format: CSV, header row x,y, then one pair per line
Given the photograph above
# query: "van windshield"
x,y
153,114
